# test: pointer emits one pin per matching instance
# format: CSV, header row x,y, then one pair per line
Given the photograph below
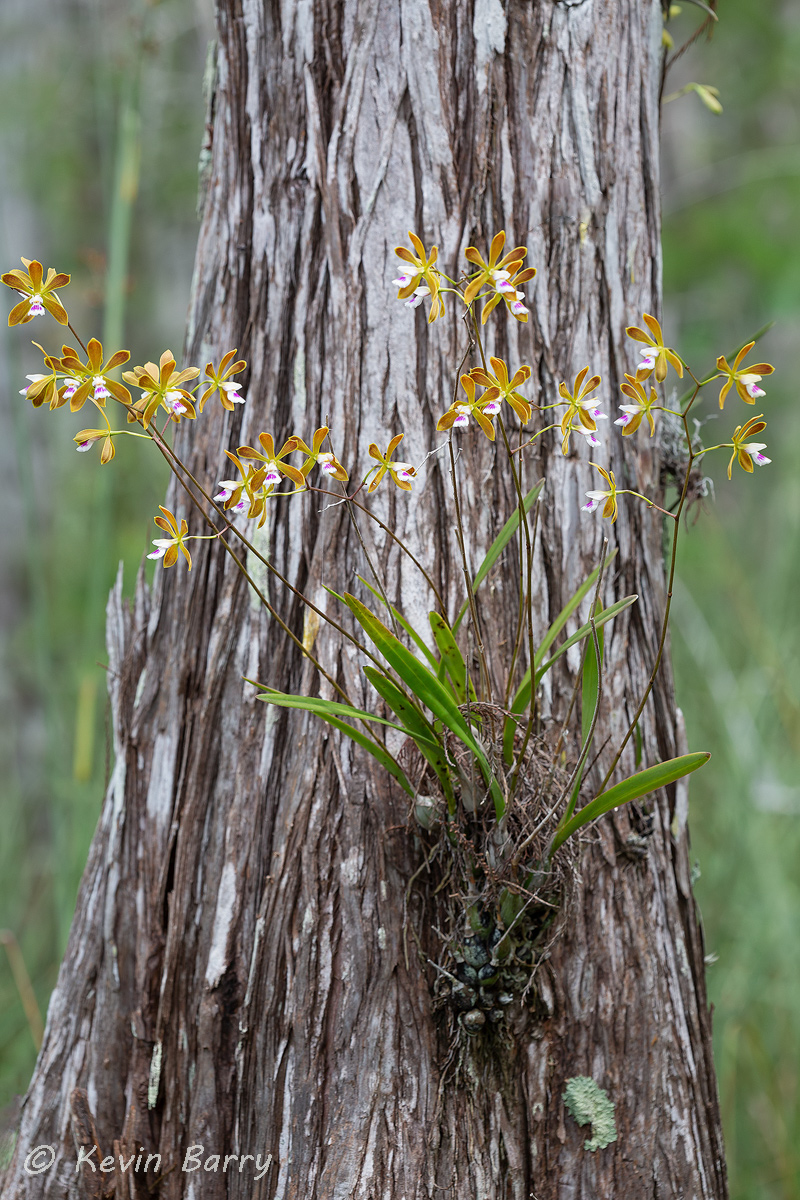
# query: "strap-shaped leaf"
x,y
589,695
418,726
452,657
569,609
325,710
404,623
629,789
522,696
423,684
498,546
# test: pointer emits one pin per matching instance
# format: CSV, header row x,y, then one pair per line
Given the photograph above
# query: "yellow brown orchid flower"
x,y
162,386
419,278
508,290
219,380
492,272
248,493
745,452
401,472
607,497
43,389
583,410
506,388
655,355
746,379
632,414
167,548
90,380
326,458
273,463
482,409
38,294
86,438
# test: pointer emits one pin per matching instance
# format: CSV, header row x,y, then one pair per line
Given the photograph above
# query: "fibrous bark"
x,y
236,976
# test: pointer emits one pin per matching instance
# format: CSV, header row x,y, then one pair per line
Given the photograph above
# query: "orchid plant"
x,y
475,752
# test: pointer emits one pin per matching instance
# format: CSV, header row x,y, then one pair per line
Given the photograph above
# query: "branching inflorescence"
x,y
497,797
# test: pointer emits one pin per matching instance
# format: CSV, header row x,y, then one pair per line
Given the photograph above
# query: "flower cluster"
x,y
483,394
655,359
494,280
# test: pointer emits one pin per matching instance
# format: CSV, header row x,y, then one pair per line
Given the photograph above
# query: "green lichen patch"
x,y
589,1103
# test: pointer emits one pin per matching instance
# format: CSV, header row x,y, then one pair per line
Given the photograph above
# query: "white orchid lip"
x,y
518,307
419,294
273,474
594,503
492,408
754,450
750,383
82,447
70,387
172,401
37,308
101,392
33,379
326,461
232,390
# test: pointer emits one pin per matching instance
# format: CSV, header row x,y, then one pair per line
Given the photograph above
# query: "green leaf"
x,y
589,695
523,694
452,657
498,546
568,609
324,708
378,752
629,789
426,688
418,726
403,622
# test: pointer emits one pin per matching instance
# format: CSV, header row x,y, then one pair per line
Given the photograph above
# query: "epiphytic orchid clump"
x,y
499,796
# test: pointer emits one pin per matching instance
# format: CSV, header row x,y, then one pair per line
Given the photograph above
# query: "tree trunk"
x,y
237,976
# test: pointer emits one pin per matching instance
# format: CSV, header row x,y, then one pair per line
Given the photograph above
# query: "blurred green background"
x,y
101,121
